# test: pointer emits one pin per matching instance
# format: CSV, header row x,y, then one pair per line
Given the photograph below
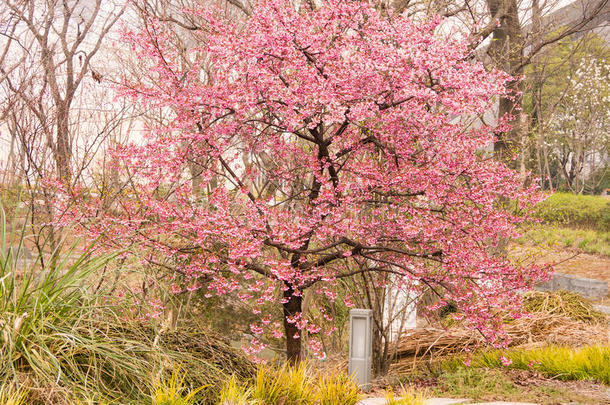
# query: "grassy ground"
x,y
570,261
492,384
543,375
556,237
574,231
557,362
581,252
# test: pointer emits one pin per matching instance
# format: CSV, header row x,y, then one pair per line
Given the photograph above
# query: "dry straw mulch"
x,y
559,318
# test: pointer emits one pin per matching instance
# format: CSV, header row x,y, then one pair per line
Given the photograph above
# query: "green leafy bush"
x,y
575,210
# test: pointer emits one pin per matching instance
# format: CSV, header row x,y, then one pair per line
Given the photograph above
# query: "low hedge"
x,y
575,210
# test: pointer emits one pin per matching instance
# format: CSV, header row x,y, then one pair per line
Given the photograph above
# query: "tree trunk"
x,y
196,171
63,148
506,50
292,306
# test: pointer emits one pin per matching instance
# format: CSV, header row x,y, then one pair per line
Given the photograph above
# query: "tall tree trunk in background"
x,y
63,144
536,120
506,50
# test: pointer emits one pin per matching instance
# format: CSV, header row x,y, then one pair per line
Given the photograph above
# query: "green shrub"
x,y
575,210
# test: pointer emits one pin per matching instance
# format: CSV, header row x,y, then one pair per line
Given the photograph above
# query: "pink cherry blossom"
x,y
506,361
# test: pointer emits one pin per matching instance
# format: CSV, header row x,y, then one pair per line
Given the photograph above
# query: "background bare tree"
x,y
57,106
511,35
519,34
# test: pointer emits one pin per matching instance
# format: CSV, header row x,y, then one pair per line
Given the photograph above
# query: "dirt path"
x,y
583,264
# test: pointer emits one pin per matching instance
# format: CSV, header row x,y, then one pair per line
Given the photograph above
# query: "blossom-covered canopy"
x,y
322,143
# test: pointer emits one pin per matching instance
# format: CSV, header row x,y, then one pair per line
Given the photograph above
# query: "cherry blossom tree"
x,y
333,138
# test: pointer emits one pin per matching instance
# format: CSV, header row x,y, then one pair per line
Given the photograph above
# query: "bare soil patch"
x,y
569,261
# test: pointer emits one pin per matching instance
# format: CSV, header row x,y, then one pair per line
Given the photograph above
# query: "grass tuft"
x,y
173,391
407,397
233,393
337,388
283,385
12,397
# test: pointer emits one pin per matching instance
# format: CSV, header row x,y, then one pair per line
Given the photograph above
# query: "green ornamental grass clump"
x,y
234,393
51,329
10,396
174,391
337,388
283,385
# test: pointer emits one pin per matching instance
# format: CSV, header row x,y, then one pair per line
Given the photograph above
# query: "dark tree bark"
x,y
292,306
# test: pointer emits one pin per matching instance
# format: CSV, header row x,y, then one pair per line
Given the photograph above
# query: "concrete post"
x,y
361,346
